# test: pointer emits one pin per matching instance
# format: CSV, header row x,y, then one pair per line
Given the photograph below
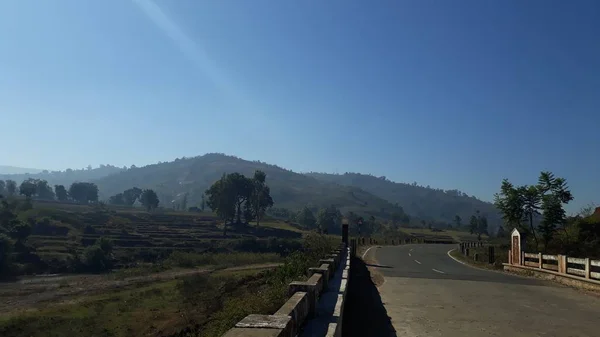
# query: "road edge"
x,y
485,269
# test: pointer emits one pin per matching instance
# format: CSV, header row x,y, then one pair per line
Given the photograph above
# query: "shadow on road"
x,y
364,313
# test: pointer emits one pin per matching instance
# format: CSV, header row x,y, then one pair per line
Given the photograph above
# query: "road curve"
x,y
426,293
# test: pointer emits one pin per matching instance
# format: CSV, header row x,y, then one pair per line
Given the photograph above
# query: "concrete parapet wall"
x,y
315,307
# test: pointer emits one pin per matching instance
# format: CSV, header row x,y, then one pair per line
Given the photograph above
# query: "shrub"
x,y
98,257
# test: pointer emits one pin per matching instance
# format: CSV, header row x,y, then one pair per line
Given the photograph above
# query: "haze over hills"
x,y
65,177
6,169
360,193
423,202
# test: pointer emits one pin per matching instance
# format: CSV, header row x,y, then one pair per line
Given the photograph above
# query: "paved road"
x,y
426,293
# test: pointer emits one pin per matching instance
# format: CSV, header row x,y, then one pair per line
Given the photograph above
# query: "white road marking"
x,y
366,251
438,271
409,254
417,262
411,250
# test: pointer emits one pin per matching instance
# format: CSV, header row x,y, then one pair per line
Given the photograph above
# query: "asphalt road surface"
x,y
426,293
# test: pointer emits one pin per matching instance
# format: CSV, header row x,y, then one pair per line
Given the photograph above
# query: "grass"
x,y
214,303
201,304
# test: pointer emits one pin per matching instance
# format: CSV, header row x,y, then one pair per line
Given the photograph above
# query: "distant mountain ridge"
x,y
360,193
423,202
65,177
7,169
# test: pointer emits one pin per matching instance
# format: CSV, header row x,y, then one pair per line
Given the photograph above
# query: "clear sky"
x,y
452,94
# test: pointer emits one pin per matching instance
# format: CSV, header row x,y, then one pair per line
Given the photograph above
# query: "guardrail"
x,y
584,268
315,307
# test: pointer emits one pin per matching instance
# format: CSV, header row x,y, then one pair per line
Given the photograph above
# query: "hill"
x,y
172,180
65,177
423,202
4,169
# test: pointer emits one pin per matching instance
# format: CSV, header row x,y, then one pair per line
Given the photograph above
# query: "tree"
x,y
329,219
61,193
98,257
457,221
6,248
202,203
554,193
11,187
44,191
241,189
511,204
83,192
131,195
482,226
473,224
117,199
260,198
221,199
2,187
149,199
28,187
531,196
306,218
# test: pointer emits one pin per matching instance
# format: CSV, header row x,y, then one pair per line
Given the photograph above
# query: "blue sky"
x,y
452,94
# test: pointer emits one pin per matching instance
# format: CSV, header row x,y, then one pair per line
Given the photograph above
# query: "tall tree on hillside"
x,y
149,199
457,222
473,224
241,187
11,187
44,191
28,187
83,192
329,219
306,218
482,226
2,187
130,196
61,193
222,200
260,198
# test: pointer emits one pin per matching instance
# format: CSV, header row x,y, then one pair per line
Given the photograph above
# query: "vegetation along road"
x,y
426,293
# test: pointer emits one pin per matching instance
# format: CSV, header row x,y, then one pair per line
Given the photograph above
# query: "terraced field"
x,y
70,228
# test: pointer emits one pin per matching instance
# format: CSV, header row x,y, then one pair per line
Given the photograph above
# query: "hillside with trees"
x,y
434,206
185,180
182,183
65,177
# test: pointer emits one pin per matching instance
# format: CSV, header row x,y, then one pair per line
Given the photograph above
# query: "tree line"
x,y
31,188
79,192
147,198
235,196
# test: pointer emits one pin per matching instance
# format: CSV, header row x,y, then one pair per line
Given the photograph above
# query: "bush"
x,y
98,257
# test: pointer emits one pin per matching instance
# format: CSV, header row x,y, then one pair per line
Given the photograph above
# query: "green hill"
x,y
291,190
418,201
